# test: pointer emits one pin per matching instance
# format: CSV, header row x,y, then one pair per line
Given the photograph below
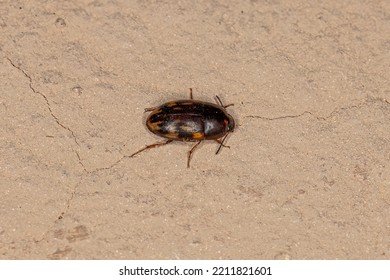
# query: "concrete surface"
x,y
307,175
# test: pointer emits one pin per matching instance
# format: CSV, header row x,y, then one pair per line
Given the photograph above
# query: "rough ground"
x,y
308,172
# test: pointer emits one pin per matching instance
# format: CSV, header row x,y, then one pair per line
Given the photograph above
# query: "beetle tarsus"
x,y
152,146
190,153
191,96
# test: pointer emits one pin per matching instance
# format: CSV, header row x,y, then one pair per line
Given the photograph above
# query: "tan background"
x,y
308,172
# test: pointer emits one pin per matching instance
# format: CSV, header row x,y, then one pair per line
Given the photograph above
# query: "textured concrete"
x,y
308,172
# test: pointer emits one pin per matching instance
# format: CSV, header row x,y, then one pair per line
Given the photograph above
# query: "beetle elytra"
x,y
189,120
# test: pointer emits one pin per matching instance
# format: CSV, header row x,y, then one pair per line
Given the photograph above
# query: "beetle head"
x,y
230,124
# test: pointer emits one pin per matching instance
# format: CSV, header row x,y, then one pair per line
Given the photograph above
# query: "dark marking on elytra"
x,y
189,120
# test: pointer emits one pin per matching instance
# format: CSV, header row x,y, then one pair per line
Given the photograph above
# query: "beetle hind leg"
x,y
151,146
190,153
150,109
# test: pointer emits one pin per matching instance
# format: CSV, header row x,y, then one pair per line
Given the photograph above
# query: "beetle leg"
x,y
221,143
149,109
152,146
190,153
191,97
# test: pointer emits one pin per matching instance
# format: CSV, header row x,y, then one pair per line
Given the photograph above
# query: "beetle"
x,y
189,120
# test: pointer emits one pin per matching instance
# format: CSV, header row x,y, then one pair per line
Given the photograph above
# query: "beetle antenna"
x,y
221,144
220,102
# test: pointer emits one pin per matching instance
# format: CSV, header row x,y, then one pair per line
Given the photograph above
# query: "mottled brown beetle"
x,y
189,121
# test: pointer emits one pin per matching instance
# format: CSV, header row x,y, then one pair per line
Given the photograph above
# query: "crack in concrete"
x,y
73,192
104,168
45,235
334,112
46,100
80,161
86,171
278,118
69,201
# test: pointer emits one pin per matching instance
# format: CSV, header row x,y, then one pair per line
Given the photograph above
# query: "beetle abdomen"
x,y
189,120
176,126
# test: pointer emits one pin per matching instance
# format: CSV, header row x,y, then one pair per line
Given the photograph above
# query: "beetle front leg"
x,y
190,153
191,96
152,146
221,143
